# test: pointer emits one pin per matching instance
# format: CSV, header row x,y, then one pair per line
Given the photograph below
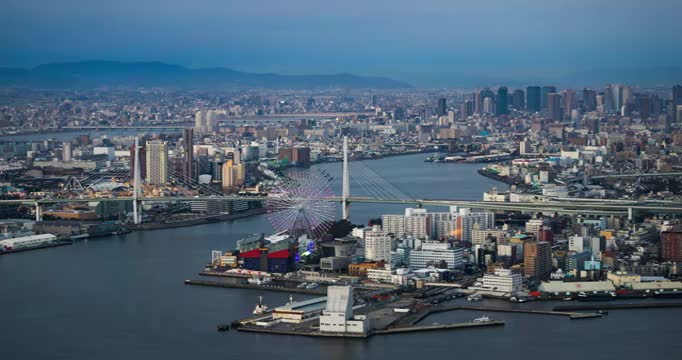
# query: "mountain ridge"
x,y
105,73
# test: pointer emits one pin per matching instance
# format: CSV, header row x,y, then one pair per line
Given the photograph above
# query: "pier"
x,y
238,285
657,305
407,329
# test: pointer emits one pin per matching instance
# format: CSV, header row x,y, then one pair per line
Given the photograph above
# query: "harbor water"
x,y
123,297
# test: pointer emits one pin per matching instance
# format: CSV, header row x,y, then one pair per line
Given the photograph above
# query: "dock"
x,y
264,287
407,329
582,307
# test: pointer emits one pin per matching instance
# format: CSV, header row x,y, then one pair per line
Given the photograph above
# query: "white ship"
x,y
260,307
482,319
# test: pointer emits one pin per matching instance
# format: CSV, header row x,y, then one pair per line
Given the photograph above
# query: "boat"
x,y
312,285
482,319
301,285
260,307
475,297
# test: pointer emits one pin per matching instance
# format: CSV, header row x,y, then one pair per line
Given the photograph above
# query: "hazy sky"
x,y
417,41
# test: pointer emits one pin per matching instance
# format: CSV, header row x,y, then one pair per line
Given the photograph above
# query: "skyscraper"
x,y
570,102
143,163
188,147
554,106
518,99
677,100
488,105
546,90
478,102
157,162
589,100
502,101
533,98
467,108
442,107
66,151
644,106
200,122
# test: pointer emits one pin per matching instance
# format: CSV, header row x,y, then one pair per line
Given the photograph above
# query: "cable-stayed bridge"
x,y
367,187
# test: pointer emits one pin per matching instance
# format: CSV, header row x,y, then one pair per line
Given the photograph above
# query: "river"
x,y
123,297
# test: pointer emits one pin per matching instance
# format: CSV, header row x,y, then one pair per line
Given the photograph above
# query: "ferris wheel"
x,y
301,203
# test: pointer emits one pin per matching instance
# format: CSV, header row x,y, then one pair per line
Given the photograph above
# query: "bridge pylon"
x,y
345,192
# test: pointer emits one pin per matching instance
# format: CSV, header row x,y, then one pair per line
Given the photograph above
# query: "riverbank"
x,y
197,221
38,247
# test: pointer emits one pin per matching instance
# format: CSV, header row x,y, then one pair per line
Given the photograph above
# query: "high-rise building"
x,y
442,107
378,245
554,106
518,99
589,100
671,246
676,101
502,101
544,93
157,162
533,98
644,106
488,105
537,259
211,121
66,151
570,102
467,108
478,102
143,163
200,122
188,148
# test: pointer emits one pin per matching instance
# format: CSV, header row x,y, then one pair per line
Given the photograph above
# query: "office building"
x,y
570,102
488,105
502,101
436,253
188,148
554,106
533,97
677,101
537,259
589,100
143,163
157,162
544,92
518,101
442,107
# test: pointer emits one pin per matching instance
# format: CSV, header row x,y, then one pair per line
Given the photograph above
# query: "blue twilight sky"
x,y
426,42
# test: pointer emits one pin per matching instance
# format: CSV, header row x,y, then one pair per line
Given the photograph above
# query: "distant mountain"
x,y
91,74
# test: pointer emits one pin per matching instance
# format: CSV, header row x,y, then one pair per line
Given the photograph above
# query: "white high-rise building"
x,y
378,245
157,162
200,122
66,151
